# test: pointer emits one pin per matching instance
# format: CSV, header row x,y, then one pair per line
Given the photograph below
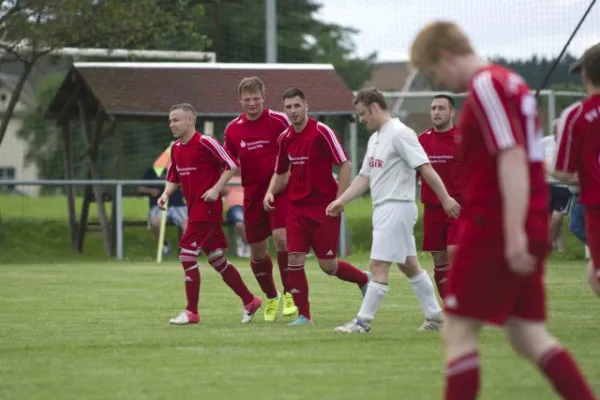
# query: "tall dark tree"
x,y
535,69
237,32
31,29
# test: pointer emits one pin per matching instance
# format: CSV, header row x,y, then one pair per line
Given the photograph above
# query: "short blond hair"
x,y
434,38
250,85
187,107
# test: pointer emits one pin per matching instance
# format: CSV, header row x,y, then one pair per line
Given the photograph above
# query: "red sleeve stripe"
x,y
494,110
565,133
280,117
280,140
335,145
218,151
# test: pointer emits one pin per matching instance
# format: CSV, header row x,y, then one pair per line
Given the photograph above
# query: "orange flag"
x,y
162,162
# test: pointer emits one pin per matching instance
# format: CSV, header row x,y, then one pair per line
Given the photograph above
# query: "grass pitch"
x,y
100,331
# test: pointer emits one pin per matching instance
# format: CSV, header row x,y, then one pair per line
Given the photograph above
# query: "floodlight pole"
x,y
271,31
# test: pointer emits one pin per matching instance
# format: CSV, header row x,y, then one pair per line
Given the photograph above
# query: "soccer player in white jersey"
x,y
389,171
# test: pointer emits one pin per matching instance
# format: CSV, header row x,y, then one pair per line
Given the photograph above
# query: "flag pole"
x,y
161,234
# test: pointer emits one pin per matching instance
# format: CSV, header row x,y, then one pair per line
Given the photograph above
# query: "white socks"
x,y
425,292
373,298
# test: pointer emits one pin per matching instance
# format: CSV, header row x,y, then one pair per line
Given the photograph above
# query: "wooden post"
x,y
118,169
85,210
92,142
68,161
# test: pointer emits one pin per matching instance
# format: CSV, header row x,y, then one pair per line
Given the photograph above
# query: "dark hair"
x,y
293,92
447,97
369,96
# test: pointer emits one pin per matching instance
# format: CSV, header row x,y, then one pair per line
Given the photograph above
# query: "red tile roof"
x,y
149,89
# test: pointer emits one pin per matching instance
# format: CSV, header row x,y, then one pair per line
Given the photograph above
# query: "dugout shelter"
x,y
101,95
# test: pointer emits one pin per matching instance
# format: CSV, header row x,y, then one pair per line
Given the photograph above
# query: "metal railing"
x,y
119,184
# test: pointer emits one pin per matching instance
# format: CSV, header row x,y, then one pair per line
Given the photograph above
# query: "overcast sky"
x,y
511,28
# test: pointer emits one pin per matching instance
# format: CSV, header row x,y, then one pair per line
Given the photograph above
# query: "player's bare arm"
x,y
344,176
434,181
513,179
358,187
277,185
287,178
566,177
170,188
214,193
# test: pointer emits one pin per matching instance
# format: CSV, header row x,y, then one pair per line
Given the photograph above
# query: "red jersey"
x,y
499,113
197,165
441,148
310,154
579,146
254,143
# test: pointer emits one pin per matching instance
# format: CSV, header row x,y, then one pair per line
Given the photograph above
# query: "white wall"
x,y
12,154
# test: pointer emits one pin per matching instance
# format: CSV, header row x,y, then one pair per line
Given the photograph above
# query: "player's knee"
x,y
217,260
460,336
440,258
183,224
279,239
259,251
188,255
411,267
329,266
380,270
530,340
296,258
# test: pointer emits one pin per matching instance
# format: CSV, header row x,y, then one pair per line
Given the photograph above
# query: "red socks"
x,y
560,368
462,378
192,280
299,289
263,272
349,273
440,276
282,262
231,277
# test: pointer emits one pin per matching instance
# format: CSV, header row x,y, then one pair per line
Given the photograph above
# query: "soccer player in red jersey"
x,y
579,153
497,274
252,138
440,231
202,168
308,150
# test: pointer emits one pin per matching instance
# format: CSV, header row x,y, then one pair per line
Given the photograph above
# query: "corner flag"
x,y
162,162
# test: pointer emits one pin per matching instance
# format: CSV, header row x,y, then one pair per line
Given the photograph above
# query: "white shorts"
x,y
175,215
393,231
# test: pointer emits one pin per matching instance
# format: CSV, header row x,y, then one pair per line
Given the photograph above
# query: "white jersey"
x,y
392,155
550,150
549,155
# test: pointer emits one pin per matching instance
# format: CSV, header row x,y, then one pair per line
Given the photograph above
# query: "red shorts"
x,y
439,230
308,226
481,285
259,223
205,236
592,222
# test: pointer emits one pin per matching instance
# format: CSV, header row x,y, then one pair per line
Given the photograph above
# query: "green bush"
x,y
358,217
35,230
